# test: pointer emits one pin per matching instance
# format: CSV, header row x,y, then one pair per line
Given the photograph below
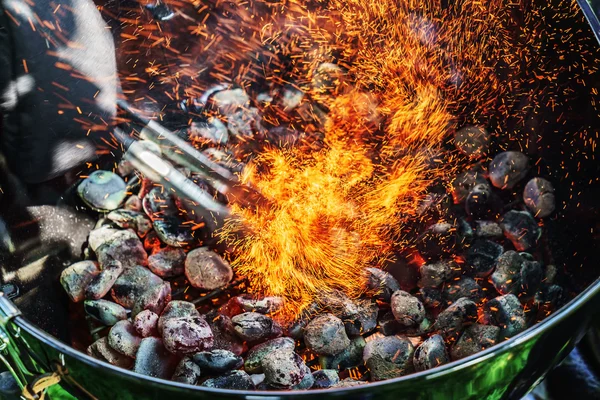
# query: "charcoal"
x,y
450,321
205,269
107,312
152,243
133,283
482,202
383,282
102,190
283,368
359,316
550,297
265,305
102,351
325,378
124,339
481,257
133,203
465,182
176,309
539,197
155,299
102,234
172,232
473,141
475,338
186,335
521,229
464,287
507,313
218,361
517,273
327,77
307,381
388,325
408,310
153,359
124,247
244,122
350,357
102,282
431,353
418,330
550,274
255,328
388,357
210,131
131,219
436,273
145,323
252,362
325,335
508,168
438,240
77,277
228,101
224,333
187,371
236,380
347,383
431,297
488,230
159,203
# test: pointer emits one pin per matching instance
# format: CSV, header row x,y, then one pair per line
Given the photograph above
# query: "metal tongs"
x,y
178,151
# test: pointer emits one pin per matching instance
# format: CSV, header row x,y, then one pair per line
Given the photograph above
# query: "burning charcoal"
x,y
160,11
224,334
132,283
77,277
388,324
539,197
102,234
236,380
205,269
550,297
187,371
463,287
244,122
218,361
348,382
228,101
517,273
326,335
434,274
152,243
155,298
450,321
125,247
167,262
327,77
252,363
437,240
359,316
283,368
507,313
159,203
210,131
254,327
388,357
153,359
307,381
521,229
431,296
488,230
131,219
481,257
351,356
145,323
383,281
102,351
431,353
133,203
508,168
475,338
325,378
465,182
124,339
186,335
473,141
172,232
102,190
291,97
107,312
104,281
265,305
482,201
407,309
